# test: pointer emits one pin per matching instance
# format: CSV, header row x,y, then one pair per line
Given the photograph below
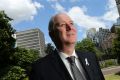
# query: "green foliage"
x,y
14,62
116,45
98,53
6,32
85,45
49,48
14,73
108,63
23,57
7,42
21,64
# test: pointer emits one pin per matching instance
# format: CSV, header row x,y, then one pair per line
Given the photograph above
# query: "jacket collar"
x,y
63,72
86,64
59,66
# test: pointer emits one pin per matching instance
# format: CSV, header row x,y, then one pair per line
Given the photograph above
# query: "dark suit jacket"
x,y
51,67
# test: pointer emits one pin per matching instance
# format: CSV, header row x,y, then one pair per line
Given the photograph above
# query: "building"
x,y
91,33
31,39
118,5
100,36
114,28
107,42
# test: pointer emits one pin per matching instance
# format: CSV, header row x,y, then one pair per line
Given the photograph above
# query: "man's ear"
x,y
55,38
52,35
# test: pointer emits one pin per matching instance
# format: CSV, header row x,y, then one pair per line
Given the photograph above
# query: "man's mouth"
x,y
70,34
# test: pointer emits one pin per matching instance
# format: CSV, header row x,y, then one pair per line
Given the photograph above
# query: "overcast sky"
x,y
29,14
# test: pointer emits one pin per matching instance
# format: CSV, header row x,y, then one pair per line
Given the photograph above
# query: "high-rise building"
x,y
31,39
101,35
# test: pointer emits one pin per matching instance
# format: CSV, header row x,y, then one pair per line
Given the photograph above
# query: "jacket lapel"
x,y
59,66
85,62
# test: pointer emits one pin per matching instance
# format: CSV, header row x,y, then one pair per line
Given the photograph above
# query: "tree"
x,y
21,64
14,73
14,62
116,45
24,57
7,42
85,45
49,48
99,53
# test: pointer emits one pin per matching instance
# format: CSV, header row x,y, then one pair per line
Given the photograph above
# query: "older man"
x,y
65,63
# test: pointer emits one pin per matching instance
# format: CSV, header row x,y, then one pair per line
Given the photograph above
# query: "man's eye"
x,y
61,25
72,23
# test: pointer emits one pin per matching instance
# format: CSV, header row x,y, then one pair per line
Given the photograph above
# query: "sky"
x,y
86,14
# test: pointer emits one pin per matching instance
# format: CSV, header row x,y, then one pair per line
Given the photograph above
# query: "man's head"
x,y
62,30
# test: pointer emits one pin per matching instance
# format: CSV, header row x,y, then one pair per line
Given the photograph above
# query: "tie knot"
x,y
71,59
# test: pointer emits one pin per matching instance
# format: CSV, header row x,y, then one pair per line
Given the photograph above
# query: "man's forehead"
x,y
62,16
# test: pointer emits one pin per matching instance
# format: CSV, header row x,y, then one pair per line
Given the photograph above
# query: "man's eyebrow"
x,y
71,21
65,21
56,24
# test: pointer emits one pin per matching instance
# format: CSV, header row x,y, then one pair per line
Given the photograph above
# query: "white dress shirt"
x,y
66,63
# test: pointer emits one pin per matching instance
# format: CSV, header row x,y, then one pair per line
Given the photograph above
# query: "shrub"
x,y
108,63
14,73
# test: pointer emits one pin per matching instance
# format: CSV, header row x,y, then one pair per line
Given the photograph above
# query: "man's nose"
x,y
68,27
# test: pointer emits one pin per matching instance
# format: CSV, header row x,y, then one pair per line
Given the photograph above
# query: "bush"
x,y
108,63
20,64
14,73
24,57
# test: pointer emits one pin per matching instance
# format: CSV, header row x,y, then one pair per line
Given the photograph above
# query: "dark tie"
x,y
77,75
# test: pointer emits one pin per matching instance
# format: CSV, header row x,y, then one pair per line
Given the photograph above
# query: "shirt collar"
x,y
64,55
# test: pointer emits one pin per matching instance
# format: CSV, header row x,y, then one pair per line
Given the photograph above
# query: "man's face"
x,y
65,29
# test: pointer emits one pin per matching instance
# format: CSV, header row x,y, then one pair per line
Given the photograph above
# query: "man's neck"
x,y
68,49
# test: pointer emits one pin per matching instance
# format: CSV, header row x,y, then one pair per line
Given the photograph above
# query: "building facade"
x,y
107,42
91,33
118,5
100,36
31,39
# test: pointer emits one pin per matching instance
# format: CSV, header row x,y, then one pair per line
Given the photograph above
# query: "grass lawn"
x,y
112,77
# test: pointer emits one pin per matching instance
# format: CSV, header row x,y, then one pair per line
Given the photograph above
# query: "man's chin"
x,y
71,42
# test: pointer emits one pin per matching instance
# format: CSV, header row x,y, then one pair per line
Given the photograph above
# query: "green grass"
x,y
112,77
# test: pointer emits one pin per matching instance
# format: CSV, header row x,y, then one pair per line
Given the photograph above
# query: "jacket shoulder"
x,y
86,53
42,60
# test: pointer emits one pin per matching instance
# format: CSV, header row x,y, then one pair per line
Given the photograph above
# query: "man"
x,y
65,63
